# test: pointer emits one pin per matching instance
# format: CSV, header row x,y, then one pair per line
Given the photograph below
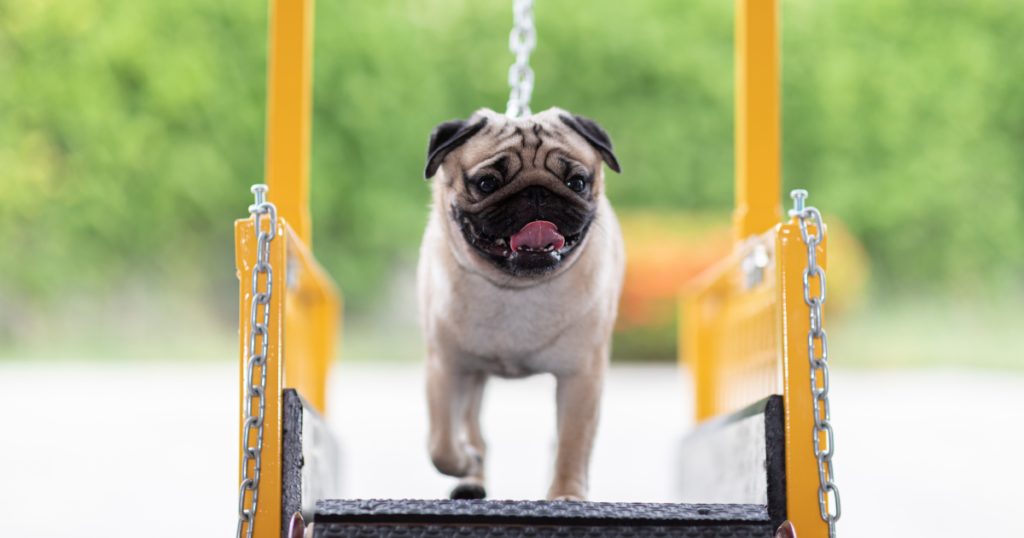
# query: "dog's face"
x,y
520,195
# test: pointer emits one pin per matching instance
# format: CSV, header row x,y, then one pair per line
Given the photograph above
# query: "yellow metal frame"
x,y
758,153
312,319
268,510
289,111
305,306
744,342
794,325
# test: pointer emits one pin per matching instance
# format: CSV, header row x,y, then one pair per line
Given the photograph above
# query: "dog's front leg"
x,y
578,399
472,486
449,394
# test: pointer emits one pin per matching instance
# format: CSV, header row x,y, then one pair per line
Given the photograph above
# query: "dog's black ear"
x,y
589,129
446,138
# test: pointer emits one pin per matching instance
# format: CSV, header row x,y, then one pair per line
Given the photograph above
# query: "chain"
x,y
521,42
257,391
819,364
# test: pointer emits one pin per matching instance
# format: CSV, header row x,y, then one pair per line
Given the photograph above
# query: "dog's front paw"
x,y
458,463
469,491
567,498
568,490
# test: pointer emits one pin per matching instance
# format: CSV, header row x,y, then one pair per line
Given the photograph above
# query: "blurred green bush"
x,y
130,131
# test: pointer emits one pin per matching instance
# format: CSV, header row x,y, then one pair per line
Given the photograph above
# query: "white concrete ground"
x,y
112,449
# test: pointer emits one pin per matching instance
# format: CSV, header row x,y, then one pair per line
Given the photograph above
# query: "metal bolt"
x,y
798,197
260,190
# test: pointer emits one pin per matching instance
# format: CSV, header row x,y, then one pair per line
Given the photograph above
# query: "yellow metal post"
x,y
758,157
314,319
745,339
697,323
289,106
267,519
801,465
305,307
305,303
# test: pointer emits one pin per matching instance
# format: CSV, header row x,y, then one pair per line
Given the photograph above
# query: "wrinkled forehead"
x,y
534,142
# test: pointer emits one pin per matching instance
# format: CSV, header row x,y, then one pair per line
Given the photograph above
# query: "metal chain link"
x,y
819,364
258,327
521,42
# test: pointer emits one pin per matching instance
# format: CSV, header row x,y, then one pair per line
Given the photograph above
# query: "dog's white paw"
x,y
568,489
458,463
577,498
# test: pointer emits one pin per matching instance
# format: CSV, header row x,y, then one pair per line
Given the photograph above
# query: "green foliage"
x,y
905,118
130,131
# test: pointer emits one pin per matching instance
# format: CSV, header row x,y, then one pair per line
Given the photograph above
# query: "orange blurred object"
x,y
665,249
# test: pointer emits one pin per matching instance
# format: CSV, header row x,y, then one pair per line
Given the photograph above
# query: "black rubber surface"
x,y
336,530
469,512
291,458
541,519
773,413
775,460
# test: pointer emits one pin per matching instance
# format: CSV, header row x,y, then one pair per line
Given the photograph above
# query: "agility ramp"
x,y
752,333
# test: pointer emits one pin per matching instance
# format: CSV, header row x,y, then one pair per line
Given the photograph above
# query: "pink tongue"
x,y
537,236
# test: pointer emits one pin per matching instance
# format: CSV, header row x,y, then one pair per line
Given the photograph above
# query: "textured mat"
x,y
540,519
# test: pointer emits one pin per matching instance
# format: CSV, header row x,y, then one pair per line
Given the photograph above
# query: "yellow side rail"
x,y
744,332
305,304
266,521
744,322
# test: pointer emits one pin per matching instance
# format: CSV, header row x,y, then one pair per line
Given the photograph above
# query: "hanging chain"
x,y
819,364
521,42
258,327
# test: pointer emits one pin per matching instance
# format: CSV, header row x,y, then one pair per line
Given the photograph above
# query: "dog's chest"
x,y
511,332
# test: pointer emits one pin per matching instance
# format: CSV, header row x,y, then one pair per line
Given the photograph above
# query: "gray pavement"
x,y
107,448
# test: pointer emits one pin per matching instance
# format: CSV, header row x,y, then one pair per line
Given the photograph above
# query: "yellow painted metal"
x,y
744,343
268,510
729,334
304,316
732,371
305,303
312,310
801,465
758,127
289,106
313,299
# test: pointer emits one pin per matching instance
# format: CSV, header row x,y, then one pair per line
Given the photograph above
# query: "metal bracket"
x,y
753,266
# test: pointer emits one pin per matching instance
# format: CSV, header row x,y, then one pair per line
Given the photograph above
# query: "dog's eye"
x,y
488,184
577,183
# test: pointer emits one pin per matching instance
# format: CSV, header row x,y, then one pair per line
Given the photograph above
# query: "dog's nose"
x,y
537,195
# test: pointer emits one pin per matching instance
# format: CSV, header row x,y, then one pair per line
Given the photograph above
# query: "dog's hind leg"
x,y
448,397
472,486
578,399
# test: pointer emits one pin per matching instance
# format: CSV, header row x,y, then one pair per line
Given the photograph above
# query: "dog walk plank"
x,y
535,519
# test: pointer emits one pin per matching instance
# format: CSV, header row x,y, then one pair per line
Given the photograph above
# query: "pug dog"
x,y
520,272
